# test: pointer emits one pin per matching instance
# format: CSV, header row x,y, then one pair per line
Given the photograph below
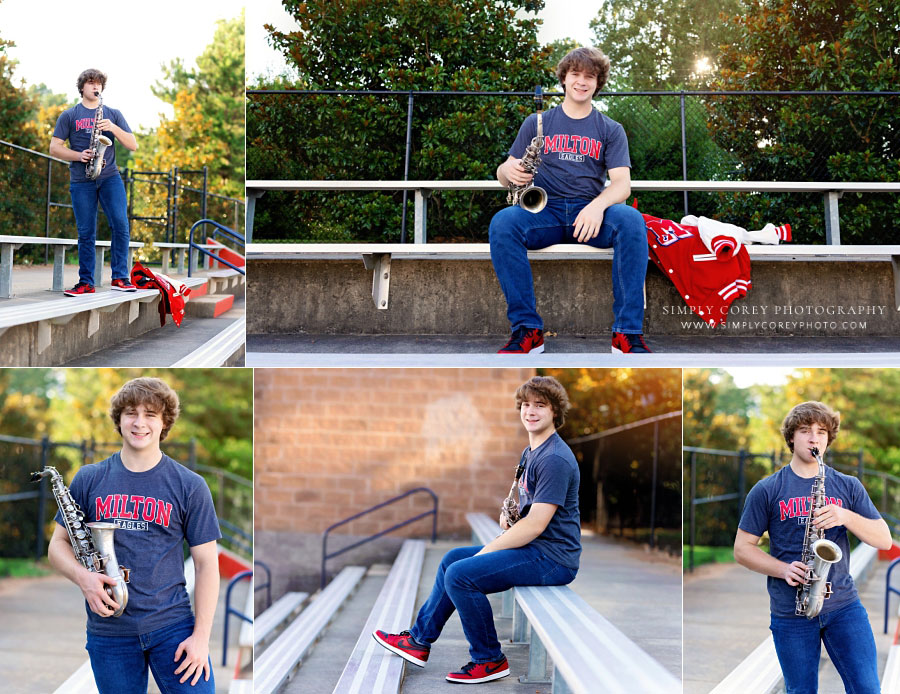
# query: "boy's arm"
x,y
872,531
127,139
206,594
523,532
62,558
588,221
747,553
59,150
511,171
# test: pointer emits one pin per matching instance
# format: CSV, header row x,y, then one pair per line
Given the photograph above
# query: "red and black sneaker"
x,y
474,673
629,344
79,289
123,285
524,341
404,645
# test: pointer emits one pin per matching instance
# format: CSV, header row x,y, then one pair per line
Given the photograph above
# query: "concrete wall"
x,y
463,297
71,340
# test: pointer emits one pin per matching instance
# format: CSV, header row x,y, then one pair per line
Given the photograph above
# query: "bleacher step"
x,y
321,670
209,306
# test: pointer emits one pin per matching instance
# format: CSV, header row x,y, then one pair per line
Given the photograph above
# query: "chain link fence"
x,y
631,481
710,136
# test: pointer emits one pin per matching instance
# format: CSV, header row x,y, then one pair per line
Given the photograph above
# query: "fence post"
x,y
693,514
684,153
653,487
47,212
409,115
42,498
742,483
860,464
205,191
175,204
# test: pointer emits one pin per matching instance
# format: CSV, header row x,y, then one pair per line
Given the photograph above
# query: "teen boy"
x,y
77,125
779,504
157,504
581,148
542,548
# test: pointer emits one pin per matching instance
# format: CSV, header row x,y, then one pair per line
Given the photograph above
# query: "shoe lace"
x,y
467,667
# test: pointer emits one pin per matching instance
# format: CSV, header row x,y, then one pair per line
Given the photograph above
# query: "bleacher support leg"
x,y
164,257
519,625
98,266
558,684
507,610
537,662
380,264
832,220
895,266
6,260
180,261
59,261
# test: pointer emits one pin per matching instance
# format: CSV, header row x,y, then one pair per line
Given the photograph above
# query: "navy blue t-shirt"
x,y
577,152
76,125
780,504
156,511
551,476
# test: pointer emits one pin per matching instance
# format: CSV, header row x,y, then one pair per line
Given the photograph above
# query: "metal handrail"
x,y
432,512
225,230
267,585
229,610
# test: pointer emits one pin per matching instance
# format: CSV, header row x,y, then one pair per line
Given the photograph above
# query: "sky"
x,y
562,19
127,40
746,376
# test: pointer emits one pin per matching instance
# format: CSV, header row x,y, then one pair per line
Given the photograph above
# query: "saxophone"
x,y
99,143
818,553
93,548
531,197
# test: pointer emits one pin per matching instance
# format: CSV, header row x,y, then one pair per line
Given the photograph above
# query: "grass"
x,y
22,568
707,555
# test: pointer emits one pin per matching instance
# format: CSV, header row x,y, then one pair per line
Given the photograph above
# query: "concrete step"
x,y
164,346
209,306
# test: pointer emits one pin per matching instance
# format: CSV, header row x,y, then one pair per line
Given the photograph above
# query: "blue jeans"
x,y
120,662
848,639
515,231
110,192
463,582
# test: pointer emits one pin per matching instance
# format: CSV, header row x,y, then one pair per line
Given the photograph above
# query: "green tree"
x,y
841,45
661,45
429,45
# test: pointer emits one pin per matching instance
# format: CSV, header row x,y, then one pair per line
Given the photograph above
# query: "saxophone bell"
x,y
533,199
102,534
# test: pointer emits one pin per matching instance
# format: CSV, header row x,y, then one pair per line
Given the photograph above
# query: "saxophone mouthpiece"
x,y
814,451
96,93
36,476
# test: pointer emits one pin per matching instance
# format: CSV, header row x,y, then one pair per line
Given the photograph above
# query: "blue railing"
x,y
232,533
225,231
229,610
267,586
432,512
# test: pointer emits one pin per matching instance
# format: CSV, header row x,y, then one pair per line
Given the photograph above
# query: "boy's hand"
x,y
92,585
588,222
87,155
503,524
196,659
795,573
514,173
829,516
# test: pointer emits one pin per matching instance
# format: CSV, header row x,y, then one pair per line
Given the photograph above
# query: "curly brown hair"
x,y
91,76
585,59
549,389
149,392
811,412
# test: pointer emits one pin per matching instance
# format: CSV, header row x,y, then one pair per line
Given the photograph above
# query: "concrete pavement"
x,y
42,634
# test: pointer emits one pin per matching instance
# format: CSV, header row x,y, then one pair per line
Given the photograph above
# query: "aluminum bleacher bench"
x,y
277,663
267,622
82,680
589,654
220,280
61,311
371,668
240,687
9,244
217,350
759,672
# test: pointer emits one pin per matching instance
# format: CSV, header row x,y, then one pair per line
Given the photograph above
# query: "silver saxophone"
x,y
818,553
93,547
99,143
531,197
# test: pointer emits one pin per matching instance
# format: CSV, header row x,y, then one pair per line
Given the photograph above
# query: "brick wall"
x,y
329,443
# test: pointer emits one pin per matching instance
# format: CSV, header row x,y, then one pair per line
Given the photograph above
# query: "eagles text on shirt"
x,y
133,512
